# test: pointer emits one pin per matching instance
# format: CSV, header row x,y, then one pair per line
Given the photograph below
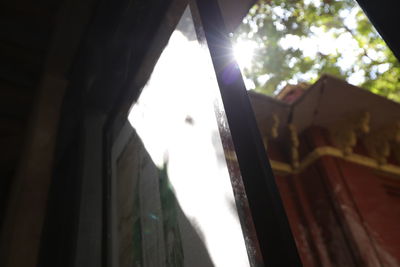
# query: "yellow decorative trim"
x,y
380,143
344,133
285,169
269,128
281,167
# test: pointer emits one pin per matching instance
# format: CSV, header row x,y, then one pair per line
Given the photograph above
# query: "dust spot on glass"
x,y
189,120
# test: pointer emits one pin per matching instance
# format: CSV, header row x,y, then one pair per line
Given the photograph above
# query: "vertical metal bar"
x,y
273,232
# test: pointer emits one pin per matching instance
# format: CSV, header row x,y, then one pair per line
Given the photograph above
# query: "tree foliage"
x,y
283,29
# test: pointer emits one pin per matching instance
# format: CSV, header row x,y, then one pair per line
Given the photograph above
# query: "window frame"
x,y
272,232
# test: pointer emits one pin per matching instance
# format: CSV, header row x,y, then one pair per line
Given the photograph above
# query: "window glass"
x,y
176,205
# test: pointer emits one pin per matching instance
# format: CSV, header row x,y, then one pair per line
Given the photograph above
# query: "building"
x,y
334,149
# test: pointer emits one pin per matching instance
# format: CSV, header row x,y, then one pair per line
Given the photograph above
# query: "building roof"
x,y
325,102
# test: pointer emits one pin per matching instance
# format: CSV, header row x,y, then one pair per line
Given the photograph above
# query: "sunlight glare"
x,y
175,119
244,52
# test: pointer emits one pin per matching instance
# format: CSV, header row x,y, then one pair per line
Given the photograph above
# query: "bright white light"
x,y
263,78
315,2
383,68
357,77
244,52
175,119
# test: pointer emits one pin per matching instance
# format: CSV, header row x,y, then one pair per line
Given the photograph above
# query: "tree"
x,y
284,31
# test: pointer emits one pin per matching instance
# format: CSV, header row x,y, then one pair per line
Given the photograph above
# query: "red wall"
x,y
341,214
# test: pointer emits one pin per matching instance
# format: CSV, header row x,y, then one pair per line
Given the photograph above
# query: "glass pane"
x,y
176,205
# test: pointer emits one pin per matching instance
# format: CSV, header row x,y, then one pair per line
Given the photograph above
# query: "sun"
x,y
244,52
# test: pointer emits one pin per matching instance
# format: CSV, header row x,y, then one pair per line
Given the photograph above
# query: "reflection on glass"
x,y
179,189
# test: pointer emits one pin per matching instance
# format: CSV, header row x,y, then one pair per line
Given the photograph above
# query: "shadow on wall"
x,y
152,228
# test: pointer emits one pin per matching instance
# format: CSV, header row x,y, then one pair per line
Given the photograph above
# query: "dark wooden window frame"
x,y
272,228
